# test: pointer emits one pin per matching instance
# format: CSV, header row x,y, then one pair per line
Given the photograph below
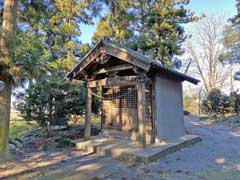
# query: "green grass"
x,y
96,119
18,126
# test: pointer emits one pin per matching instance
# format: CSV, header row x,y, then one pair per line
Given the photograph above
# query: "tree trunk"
x,y
7,38
8,31
5,108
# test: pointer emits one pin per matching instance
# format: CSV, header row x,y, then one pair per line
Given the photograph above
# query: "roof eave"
x,y
180,75
70,74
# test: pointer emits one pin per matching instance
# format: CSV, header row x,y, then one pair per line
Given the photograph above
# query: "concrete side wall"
x,y
169,108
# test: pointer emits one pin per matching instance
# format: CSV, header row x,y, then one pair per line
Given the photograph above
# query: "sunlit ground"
x,y
216,157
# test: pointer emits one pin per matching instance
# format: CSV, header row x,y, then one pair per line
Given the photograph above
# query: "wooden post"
x,y
102,109
87,132
153,109
141,113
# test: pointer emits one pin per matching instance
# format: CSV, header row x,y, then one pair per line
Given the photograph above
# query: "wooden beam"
x,y
90,58
103,59
122,54
120,81
139,71
115,68
87,132
141,97
97,83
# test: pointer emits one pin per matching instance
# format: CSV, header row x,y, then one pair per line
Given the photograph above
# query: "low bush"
x,y
220,104
51,101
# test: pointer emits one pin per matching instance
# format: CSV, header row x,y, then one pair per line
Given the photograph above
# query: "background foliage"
x,y
153,28
48,46
219,103
51,101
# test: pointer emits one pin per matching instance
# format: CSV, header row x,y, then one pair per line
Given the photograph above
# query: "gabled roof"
x,y
130,56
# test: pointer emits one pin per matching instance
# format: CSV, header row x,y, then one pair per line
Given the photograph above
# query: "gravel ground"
x,y
216,157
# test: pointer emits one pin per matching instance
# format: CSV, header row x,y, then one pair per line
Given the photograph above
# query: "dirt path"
x,y
217,156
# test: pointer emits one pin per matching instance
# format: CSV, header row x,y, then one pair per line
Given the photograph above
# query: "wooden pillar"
x,y
102,99
153,109
141,113
87,132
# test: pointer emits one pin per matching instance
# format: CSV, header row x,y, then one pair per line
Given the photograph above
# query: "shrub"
x,y
51,100
219,103
186,113
64,142
234,100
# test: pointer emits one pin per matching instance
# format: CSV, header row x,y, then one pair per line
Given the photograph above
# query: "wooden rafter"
x,y
115,68
119,81
125,56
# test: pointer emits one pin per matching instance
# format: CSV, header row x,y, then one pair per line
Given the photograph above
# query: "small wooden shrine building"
x,y
140,97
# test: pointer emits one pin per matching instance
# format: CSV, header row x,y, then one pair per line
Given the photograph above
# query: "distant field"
x,y
18,126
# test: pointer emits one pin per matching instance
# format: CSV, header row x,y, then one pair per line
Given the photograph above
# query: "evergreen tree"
x,y
51,100
63,30
41,42
117,23
59,31
153,28
236,19
231,41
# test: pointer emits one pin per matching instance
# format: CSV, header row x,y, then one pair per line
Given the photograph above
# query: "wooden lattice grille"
x,y
122,97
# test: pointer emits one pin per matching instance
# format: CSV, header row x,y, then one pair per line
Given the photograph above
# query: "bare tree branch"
x,y
205,48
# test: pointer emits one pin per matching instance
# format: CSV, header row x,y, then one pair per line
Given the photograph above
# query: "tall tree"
x,y
204,48
117,23
154,28
231,42
63,30
236,19
8,33
30,53
231,55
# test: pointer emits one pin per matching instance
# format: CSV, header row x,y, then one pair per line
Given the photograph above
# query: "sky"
x,y
227,7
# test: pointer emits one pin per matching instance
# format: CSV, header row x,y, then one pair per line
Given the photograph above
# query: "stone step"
x,y
129,151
